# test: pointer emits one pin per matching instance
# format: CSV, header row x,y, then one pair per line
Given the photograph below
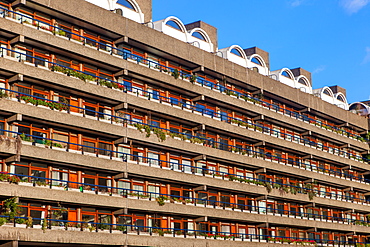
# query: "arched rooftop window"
x,y
327,92
341,98
127,4
286,74
174,25
236,52
303,82
256,61
199,36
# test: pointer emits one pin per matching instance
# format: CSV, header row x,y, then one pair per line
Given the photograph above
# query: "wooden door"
x,y
74,179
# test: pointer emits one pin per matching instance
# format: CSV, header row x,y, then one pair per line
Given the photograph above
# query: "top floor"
x,y
190,57
204,36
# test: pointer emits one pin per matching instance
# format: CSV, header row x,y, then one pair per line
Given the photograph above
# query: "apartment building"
x,y
120,131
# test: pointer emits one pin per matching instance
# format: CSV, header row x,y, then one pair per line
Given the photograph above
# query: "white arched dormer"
x,y
303,84
130,9
127,8
235,54
341,101
255,62
172,26
359,109
325,93
199,38
285,76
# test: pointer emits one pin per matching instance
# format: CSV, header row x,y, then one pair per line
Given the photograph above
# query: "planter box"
x,y
58,149
26,143
21,225
25,184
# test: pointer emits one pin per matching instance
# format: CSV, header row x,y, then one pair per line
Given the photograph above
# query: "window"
x,y
341,98
327,92
303,82
286,74
256,61
236,52
199,36
126,3
174,25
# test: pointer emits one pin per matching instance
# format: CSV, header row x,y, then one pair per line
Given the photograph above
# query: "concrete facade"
x,y
273,164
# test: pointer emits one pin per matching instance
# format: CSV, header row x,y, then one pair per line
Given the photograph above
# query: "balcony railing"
x,y
99,227
195,201
142,160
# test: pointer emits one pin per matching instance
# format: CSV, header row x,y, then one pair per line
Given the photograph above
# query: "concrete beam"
x,y
17,3
199,98
262,170
264,225
308,109
119,211
121,140
261,117
15,118
262,143
310,156
201,219
15,78
259,91
310,180
18,39
344,124
10,244
349,167
123,39
121,175
200,188
347,145
200,127
121,106
307,133
314,229
200,157
311,204
348,189
260,198
121,73
13,158
349,211
200,68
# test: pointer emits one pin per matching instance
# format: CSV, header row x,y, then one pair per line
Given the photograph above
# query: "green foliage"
x,y
52,105
3,220
161,200
4,177
25,138
193,78
3,94
14,179
20,221
121,228
44,225
175,73
10,207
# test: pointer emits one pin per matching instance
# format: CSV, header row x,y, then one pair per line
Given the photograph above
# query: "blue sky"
x,y
329,38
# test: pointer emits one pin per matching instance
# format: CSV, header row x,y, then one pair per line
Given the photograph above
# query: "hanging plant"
x,y
10,207
175,73
268,187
